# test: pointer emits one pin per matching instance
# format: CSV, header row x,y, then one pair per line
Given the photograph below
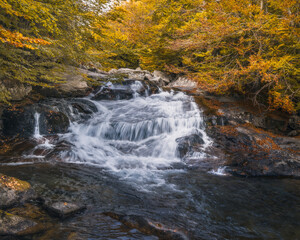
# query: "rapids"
x,y
136,139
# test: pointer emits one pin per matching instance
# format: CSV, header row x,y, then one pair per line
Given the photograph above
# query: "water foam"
x,y
136,139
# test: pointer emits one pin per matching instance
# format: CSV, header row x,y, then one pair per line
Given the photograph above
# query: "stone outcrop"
x,y
55,116
253,152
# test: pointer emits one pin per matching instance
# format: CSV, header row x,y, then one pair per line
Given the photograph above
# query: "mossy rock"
x,y
14,183
14,191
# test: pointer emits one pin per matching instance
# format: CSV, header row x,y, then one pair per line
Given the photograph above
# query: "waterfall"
x,y
135,139
37,134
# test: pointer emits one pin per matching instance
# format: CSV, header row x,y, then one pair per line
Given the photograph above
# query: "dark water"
x,y
204,207
123,160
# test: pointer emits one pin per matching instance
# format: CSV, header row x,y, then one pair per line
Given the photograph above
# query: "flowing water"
x,y
124,159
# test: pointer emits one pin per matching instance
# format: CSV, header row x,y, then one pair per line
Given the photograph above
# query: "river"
x,y
124,159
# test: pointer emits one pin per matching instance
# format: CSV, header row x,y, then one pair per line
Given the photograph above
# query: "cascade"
x,y
135,139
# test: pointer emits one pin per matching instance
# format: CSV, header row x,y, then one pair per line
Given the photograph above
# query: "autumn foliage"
x,y
39,37
250,47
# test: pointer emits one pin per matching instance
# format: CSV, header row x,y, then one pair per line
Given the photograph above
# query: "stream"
x,y
124,159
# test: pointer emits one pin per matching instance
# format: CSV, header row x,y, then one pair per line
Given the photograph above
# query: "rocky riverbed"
x,y
145,155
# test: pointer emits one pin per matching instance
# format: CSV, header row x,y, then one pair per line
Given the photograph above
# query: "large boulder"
x,y
158,81
55,116
14,191
134,74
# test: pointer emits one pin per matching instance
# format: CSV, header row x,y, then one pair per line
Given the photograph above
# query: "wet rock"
x,y
14,191
160,79
294,125
55,116
63,209
188,144
253,152
73,109
52,122
121,91
114,94
15,225
18,122
148,226
95,74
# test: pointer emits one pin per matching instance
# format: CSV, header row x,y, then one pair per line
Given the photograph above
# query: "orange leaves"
x,y
17,39
279,101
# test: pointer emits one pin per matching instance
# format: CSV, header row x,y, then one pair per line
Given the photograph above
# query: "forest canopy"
x,y
248,47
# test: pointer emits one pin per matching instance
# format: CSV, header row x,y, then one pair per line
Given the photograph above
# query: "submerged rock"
x,y
14,191
63,209
15,225
148,226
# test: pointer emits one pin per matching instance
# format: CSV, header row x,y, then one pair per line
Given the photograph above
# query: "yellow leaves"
x,y
279,101
13,183
17,39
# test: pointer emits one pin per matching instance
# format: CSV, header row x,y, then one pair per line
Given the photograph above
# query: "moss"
x,y
14,183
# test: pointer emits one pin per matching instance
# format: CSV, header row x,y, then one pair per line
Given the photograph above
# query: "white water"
x,y
136,139
37,134
43,143
220,171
